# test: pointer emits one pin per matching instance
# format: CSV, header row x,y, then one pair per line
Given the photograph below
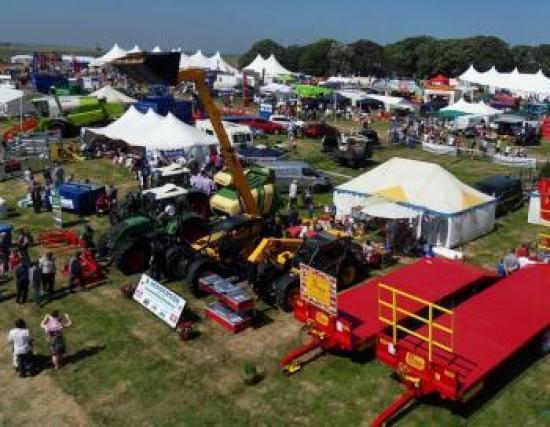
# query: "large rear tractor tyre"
x,y
199,268
176,263
133,257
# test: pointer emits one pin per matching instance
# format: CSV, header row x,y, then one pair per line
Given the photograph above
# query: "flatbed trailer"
x,y
355,327
491,327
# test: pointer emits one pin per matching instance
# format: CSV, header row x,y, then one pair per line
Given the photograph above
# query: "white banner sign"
x,y
160,300
439,149
522,162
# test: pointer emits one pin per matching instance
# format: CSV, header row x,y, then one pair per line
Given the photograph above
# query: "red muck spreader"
x,y
491,327
67,240
349,321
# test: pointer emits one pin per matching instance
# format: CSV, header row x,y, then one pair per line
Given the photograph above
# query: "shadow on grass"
x,y
82,354
260,318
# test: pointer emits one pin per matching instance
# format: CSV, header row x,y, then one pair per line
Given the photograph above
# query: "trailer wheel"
x,y
198,268
348,274
287,292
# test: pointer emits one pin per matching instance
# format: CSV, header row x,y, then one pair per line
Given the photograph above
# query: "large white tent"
x,y
199,60
449,212
112,95
115,52
271,67
536,83
154,132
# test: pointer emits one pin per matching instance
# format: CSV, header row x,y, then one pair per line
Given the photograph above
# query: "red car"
x,y
264,125
318,130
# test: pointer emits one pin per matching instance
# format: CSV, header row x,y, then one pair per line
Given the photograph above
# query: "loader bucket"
x,y
150,67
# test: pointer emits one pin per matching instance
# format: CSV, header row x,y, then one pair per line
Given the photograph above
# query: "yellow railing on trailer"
x,y
433,311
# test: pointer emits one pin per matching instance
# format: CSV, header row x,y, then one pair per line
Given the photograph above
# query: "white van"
x,y
239,135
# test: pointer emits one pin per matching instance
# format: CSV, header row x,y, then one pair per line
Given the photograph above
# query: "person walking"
x,y
48,272
75,272
21,341
58,175
54,324
35,276
22,282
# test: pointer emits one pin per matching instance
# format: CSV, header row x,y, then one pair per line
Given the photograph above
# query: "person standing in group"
x,y
46,202
23,243
21,340
293,193
48,271
58,175
75,272
35,276
308,201
22,282
54,324
37,199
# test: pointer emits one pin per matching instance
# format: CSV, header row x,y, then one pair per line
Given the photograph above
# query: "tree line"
x,y
417,57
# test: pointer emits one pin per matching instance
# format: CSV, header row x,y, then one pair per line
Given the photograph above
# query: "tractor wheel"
x,y
114,218
133,257
287,292
176,263
198,268
348,273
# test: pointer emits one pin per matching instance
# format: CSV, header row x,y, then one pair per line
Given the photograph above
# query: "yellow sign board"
x,y
318,288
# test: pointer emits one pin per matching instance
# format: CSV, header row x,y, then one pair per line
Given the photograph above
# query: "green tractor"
x,y
153,201
128,244
69,113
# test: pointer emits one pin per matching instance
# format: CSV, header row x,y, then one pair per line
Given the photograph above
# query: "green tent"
x,y
309,91
450,114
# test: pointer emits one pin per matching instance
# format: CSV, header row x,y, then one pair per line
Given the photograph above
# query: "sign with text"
x,y
318,289
57,209
159,300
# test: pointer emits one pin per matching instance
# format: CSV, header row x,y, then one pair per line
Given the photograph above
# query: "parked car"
x,y
286,171
285,121
506,189
319,130
258,123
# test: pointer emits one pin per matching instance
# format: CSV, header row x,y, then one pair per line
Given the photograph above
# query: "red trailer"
x,y
492,326
355,325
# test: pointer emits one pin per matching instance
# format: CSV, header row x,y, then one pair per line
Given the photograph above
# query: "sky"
x,y
231,26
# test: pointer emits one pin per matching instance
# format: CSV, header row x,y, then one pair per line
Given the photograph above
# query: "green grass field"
x,y
129,369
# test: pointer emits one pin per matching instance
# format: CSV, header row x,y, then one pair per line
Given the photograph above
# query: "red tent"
x,y
439,80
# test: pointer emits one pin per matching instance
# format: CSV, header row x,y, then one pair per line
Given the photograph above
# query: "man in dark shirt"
x,y
75,271
22,282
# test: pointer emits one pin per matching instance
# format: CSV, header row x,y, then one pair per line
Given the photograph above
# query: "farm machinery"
x,y
153,201
128,244
69,113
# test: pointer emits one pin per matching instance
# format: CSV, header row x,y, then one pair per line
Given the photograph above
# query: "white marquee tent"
x,y
112,95
156,49
154,132
115,52
270,66
449,212
199,60
515,81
